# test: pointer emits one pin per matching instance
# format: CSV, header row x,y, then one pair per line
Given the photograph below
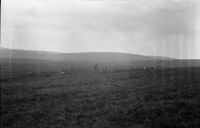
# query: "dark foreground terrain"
x,y
137,98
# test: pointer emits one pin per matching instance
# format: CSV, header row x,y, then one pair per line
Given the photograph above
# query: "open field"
x,y
134,98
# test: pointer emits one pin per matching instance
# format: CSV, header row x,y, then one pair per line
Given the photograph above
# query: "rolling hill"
x,y
88,56
117,60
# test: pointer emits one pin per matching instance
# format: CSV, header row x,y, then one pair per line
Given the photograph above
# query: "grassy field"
x,y
135,98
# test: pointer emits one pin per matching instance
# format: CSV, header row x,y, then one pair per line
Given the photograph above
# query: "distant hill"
x,y
88,56
104,58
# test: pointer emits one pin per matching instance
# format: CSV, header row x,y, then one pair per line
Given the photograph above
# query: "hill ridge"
x,y
76,53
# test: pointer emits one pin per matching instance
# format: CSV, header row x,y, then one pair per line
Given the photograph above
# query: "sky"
x,y
168,28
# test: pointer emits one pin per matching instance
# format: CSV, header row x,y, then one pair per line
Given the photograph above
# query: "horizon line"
x,y
58,52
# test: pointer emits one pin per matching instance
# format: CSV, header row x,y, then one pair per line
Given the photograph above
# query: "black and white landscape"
x,y
48,89
100,64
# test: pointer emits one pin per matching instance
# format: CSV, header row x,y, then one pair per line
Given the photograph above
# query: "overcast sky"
x,y
148,27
